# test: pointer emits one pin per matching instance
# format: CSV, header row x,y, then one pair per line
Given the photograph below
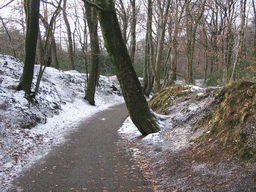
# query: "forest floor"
x,y
176,160
196,149
89,160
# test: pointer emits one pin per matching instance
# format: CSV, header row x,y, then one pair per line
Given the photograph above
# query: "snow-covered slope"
x,y
28,130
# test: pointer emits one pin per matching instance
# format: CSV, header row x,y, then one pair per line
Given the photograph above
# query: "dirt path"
x,y
91,160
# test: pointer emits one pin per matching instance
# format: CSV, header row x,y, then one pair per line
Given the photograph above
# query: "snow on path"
x,y
60,106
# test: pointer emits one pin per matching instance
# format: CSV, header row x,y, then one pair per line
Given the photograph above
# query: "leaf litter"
x,y
175,159
171,160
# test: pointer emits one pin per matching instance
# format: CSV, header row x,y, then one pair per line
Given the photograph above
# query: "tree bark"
x,y
163,21
240,37
175,43
124,18
254,22
192,23
136,103
9,36
95,52
55,62
147,73
32,13
133,31
70,44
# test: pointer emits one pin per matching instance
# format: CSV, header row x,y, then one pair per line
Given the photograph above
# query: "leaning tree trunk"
x,y
47,27
136,103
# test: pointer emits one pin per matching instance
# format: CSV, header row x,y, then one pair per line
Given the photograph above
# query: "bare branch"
x,y
7,4
93,5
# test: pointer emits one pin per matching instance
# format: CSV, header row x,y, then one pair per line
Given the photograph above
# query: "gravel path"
x,y
93,159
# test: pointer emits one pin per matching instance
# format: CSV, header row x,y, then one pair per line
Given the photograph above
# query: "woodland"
x,y
172,45
182,39
166,39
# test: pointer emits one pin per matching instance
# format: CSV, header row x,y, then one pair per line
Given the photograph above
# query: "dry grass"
x,y
237,104
165,97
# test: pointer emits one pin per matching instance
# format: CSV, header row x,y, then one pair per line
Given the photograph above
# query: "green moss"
x,y
165,97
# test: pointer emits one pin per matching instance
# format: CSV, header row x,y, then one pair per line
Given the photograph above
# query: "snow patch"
x,y
28,131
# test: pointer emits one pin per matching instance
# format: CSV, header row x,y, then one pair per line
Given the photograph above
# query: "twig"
x,y
93,5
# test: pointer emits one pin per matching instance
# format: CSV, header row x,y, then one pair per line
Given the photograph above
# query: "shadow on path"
x,y
90,160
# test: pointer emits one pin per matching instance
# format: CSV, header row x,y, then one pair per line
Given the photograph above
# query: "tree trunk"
x,y
254,22
95,52
147,73
240,37
133,31
175,43
192,23
70,44
47,27
124,19
9,36
32,13
136,103
157,69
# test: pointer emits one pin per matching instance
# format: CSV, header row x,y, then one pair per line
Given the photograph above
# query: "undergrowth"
x,y
165,97
237,104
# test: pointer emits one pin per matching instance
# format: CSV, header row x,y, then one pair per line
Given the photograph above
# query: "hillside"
x,y
28,130
207,141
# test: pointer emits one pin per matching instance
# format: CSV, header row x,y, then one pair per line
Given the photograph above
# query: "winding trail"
x,y
91,160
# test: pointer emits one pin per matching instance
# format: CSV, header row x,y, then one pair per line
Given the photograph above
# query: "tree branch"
x,y
93,5
6,4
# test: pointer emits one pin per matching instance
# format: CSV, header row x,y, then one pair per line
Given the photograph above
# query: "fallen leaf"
x,y
152,185
210,186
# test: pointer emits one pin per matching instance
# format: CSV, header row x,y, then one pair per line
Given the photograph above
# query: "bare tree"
x,y
240,36
193,18
177,11
9,36
163,9
70,43
123,14
46,59
92,21
136,103
149,53
50,27
133,30
32,13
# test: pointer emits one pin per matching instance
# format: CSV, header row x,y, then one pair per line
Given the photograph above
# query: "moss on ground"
x,y
233,120
166,96
237,104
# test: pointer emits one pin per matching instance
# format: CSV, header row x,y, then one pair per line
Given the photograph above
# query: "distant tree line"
x,y
166,39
